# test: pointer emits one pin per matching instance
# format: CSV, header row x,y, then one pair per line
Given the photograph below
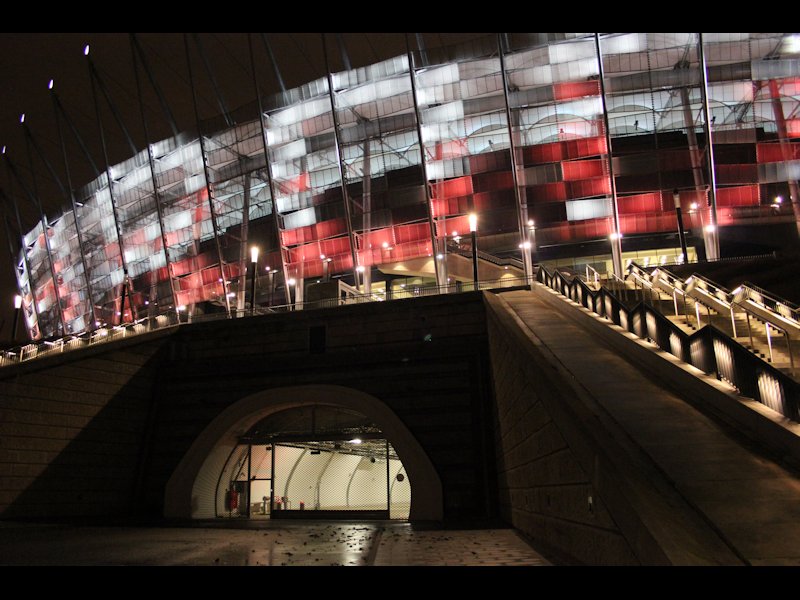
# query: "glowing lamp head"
x,y
693,206
360,268
50,85
268,269
181,308
778,199
473,222
17,301
86,50
254,254
525,245
440,256
22,118
292,281
530,222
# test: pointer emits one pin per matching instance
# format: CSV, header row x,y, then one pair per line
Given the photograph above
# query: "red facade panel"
x,y
311,233
774,151
450,206
747,195
639,203
547,192
490,182
582,169
677,159
599,186
732,174
645,223
570,149
460,186
575,89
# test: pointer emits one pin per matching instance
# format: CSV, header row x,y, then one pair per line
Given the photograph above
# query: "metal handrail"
x,y
496,260
24,353
776,304
710,349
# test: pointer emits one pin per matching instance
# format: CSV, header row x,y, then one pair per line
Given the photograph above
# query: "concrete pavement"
x,y
262,544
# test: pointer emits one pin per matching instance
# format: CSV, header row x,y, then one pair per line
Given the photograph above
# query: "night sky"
x,y
28,61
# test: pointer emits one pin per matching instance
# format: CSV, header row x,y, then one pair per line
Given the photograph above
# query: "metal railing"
x,y
466,252
102,335
709,349
769,301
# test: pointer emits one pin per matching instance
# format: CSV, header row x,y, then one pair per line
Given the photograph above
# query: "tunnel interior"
x,y
313,461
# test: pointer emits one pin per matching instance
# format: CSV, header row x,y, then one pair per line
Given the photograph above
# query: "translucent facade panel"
x,y
101,249
42,288
311,180
560,139
467,150
191,251
142,240
656,125
29,315
382,168
242,204
69,269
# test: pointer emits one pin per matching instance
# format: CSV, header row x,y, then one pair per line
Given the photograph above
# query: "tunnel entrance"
x,y
313,461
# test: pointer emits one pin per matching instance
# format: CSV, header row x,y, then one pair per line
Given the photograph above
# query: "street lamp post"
x,y
681,234
291,283
473,230
254,261
17,309
532,244
271,284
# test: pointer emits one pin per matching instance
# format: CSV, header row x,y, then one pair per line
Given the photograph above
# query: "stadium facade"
x,y
563,145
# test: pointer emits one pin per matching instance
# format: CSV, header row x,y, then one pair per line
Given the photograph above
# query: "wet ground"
x,y
263,544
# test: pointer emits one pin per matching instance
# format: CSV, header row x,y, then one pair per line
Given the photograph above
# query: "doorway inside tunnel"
x,y
314,461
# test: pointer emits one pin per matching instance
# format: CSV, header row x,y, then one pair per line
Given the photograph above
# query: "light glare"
x,y
17,301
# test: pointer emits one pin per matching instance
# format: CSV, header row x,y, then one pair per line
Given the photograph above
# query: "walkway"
x,y
263,544
752,503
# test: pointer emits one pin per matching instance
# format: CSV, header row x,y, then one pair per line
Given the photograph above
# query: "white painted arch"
x,y
191,490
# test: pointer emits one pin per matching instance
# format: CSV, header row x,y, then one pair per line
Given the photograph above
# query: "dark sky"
x,y
29,60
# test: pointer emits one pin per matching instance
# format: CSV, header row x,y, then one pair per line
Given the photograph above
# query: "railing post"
x,y
769,341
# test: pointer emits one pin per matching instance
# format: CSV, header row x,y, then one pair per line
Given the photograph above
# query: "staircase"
x,y
690,315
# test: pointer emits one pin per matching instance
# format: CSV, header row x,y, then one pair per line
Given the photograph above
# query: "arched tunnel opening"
x,y
309,451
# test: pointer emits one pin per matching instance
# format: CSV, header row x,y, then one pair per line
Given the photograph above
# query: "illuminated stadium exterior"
x,y
371,173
